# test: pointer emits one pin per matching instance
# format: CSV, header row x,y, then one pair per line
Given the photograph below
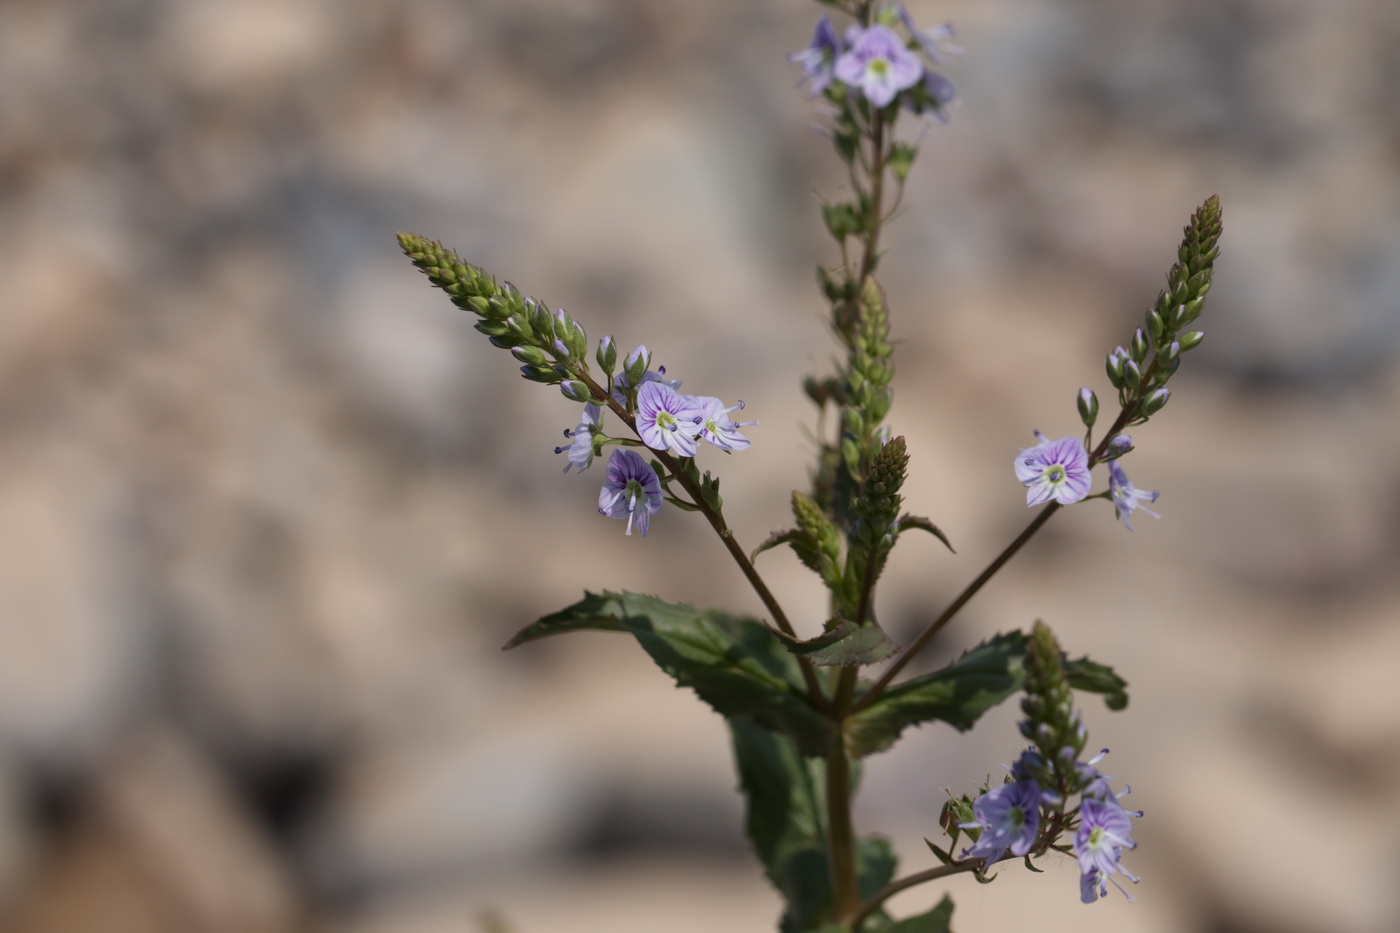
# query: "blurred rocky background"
x,y
269,506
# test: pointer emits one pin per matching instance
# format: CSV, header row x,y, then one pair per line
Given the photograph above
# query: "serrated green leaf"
x,y
845,645
785,794
958,694
1093,677
735,664
961,692
936,920
593,613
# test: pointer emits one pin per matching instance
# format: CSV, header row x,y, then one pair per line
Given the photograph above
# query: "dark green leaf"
x,y
593,614
786,822
961,692
958,694
875,864
785,793
933,921
1093,677
735,664
844,645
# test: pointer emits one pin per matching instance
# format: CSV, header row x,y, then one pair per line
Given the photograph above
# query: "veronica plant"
x,y
800,712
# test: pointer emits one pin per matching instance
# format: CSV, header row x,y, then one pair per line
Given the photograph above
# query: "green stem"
x,y
877,197
841,837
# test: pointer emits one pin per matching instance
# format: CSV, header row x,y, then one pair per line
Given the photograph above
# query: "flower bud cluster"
x,y
550,345
552,348
1140,371
1029,812
867,390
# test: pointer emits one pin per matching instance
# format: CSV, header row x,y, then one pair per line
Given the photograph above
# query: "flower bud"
x,y
578,340
606,355
1190,340
636,365
1155,402
575,391
1113,364
542,374
1155,325
1139,345
1088,407
532,355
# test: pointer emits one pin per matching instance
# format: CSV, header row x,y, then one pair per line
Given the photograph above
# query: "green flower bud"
x,y
542,374
1113,365
1088,407
1155,401
575,391
1139,345
1190,340
532,355
636,366
606,355
1155,325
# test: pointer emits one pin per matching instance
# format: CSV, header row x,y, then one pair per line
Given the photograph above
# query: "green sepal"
x,y
844,644
961,692
936,920
901,159
907,521
733,663
944,857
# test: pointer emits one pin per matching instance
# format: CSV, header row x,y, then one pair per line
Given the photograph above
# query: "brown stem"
x,y
903,884
717,522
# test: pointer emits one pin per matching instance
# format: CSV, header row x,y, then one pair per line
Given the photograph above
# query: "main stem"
x,y
841,836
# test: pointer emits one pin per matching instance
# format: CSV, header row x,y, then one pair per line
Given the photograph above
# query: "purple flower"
x,y
933,41
580,448
716,426
1127,498
878,63
1104,832
631,490
1009,817
818,58
667,420
1056,470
